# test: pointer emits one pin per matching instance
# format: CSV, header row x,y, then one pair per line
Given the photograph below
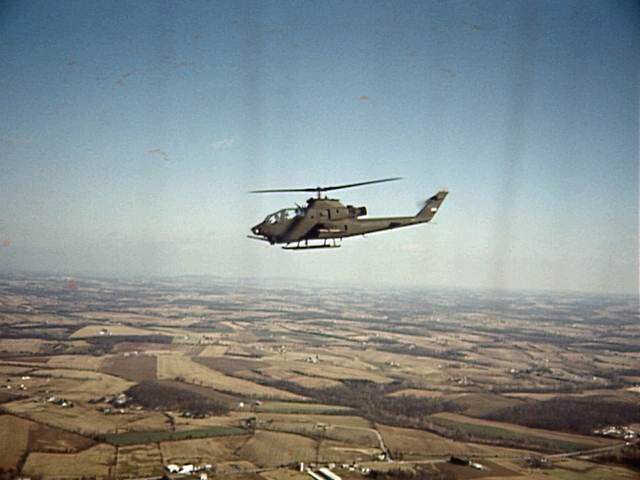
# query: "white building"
x,y
329,474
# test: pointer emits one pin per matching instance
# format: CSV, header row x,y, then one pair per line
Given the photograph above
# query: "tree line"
x,y
574,414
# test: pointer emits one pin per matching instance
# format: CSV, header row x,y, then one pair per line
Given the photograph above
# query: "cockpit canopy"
x,y
284,215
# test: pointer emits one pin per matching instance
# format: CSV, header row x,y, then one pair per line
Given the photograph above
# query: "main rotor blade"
x,y
288,190
361,183
325,189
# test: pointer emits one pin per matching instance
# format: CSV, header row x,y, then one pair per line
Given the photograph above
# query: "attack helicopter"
x,y
329,221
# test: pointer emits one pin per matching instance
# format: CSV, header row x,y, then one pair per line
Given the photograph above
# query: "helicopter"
x,y
329,221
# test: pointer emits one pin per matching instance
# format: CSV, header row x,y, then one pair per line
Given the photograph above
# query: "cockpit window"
x,y
284,215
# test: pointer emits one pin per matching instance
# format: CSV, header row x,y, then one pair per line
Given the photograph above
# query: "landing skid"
x,y
306,246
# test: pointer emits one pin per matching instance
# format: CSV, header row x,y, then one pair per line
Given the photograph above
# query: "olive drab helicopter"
x,y
329,221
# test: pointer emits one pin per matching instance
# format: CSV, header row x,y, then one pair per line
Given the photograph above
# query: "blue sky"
x,y
132,132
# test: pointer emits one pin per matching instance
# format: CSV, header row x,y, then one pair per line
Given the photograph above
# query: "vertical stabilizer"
x,y
432,206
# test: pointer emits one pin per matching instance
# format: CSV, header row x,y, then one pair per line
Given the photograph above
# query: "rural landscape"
x,y
204,377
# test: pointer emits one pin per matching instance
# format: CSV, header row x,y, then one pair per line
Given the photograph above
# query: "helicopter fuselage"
x,y
327,218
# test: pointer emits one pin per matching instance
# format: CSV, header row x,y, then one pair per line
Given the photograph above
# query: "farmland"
x,y
97,461
144,437
117,380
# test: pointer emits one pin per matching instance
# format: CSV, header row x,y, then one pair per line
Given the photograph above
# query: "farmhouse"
x,y
617,432
187,469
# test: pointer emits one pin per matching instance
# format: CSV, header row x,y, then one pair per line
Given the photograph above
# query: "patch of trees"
x,y
372,401
153,395
56,333
614,347
418,474
418,351
10,397
629,456
208,326
576,414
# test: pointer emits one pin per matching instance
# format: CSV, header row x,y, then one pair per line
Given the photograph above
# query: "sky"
x,y
131,133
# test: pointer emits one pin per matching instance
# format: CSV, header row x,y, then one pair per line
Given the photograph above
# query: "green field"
x,y
135,438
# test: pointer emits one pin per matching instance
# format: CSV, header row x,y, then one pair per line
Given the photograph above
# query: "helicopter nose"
x,y
256,230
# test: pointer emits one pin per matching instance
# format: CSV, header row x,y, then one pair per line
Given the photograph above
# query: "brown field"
x,y
208,392
480,404
313,382
413,392
99,384
94,331
629,394
232,419
83,419
14,440
143,421
343,420
284,474
24,435
122,317
300,407
8,369
79,362
241,350
97,461
174,366
230,365
417,444
139,461
39,361
355,436
274,449
8,396
136,368
532,396
18,345
419,367
596,441
53,440
583,470
41,385
214,351
234,470
338,452
337,373
493,470
142,347
200,451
